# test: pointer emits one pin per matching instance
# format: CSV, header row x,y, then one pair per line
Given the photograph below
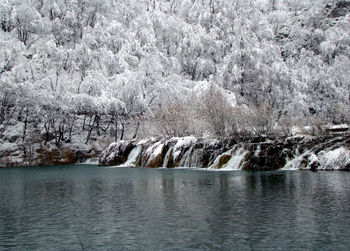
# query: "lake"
x,y
85,207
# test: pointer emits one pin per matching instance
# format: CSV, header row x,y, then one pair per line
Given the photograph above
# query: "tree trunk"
x,y
47,132
274,4
90,129
115,127
122,133
25,126
84,122
136,130
97,120
71,128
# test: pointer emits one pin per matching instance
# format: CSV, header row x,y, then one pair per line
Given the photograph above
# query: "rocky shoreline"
x,y
327,152
46,156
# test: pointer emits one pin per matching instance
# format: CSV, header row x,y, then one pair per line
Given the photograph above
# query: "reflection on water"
x,y
132,209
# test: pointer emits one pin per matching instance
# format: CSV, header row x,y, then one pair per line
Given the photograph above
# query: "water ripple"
x,y
133,209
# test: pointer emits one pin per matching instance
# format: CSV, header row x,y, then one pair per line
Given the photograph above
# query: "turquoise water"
x,y
97,208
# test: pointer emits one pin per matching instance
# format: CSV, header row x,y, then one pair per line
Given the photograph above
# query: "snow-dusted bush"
x,y
260,120
176,120
217,113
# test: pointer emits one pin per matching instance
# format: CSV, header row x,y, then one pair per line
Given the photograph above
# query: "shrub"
x,y
258,119
175,120
217,114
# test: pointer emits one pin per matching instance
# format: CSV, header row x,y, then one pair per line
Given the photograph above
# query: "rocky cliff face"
x,y
330,152
45,156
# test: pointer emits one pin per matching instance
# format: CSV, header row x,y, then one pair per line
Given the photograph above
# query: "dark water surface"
x,y
96,208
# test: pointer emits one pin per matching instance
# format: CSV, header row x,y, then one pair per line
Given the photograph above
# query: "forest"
x,y
84,73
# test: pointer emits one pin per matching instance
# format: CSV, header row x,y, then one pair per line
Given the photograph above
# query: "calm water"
x,y
95,208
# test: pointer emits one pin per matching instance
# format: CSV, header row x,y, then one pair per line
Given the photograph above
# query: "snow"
x,y
92,161
145,141
217,160
203,87
182,143
200,88
341,126
14,130
154,150
214,142
135,69
313,158
335,159
295,163
7,146
335,128
298,131
113,149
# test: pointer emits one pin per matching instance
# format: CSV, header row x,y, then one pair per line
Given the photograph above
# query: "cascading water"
x,y
237,160
329,153
196,158
133,156
92,161
167,157
186,160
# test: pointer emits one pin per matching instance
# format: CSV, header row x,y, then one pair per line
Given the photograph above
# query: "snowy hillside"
x,y
84,73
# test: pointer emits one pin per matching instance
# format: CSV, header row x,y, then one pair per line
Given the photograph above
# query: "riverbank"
x,y
327,152
49,155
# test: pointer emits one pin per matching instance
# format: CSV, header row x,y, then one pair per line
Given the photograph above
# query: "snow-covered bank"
x,y
317,153
12,155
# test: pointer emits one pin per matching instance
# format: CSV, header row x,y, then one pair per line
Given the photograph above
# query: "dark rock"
x,y
13,139
82,155
116,154
52,157
314,165
155,162
223,160
251,155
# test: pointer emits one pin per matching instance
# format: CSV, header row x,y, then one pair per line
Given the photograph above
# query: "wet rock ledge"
x,y
330,152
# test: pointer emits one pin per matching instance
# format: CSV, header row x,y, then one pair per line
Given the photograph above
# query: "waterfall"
x,y
257,151
237,160
167,157
91,161
196,158
297,161
329,153
133,156
153,152
186,159
181,144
